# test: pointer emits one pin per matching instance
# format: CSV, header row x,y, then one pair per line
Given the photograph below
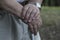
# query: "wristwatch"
x,y
37,5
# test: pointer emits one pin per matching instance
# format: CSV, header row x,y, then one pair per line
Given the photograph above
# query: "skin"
x,y
32,16
29,13
13,6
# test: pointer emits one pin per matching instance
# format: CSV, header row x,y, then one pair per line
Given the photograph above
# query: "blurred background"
x,y
51,2
50,14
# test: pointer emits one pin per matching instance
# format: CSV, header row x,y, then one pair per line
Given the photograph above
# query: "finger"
x,y
37,19
37,16
24,11
39,25
32,15
28,13
36,26
40,22
31,28
35,29
37,13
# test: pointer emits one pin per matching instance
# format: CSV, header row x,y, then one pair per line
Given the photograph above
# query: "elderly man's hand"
x,y
29,11
35,24
31,16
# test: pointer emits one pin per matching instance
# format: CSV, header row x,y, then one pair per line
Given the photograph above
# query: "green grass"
x,y
51,23
50,15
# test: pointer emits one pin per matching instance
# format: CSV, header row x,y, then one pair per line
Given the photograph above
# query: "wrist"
x,y
19,12
36,4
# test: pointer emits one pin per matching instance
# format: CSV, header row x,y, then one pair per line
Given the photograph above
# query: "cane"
x,y
36,37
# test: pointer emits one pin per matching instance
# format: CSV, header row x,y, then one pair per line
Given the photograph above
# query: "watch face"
x,y
38,5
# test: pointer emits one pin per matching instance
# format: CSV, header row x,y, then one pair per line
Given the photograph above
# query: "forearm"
x,y
39,1
12,6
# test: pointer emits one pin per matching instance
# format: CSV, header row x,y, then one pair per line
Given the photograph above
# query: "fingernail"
x,y
29,20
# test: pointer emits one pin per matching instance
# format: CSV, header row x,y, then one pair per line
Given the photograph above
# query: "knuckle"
x,y
29,21
25,8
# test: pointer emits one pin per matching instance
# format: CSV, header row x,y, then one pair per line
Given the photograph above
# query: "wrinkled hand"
x,y
29,11
31,16
35,25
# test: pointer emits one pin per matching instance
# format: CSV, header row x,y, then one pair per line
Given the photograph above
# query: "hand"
x,y
30,14
29,11
35,25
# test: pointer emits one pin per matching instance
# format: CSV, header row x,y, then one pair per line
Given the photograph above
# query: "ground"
x,y
50,29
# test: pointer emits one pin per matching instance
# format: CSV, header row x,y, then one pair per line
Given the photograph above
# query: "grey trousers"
x,y
12,28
